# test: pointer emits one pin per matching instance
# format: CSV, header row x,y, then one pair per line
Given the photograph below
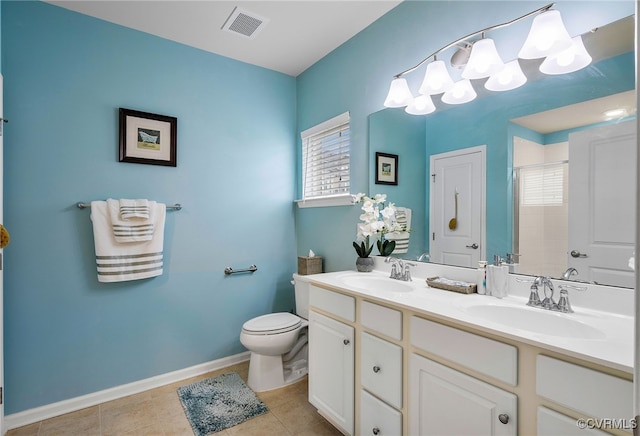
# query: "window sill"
x,y
338,200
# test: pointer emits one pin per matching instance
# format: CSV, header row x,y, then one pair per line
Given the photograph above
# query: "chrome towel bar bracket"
x,y
228,270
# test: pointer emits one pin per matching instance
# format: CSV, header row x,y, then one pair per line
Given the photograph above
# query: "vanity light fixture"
x,y
569,60
483,61
547,38
510,77
462,92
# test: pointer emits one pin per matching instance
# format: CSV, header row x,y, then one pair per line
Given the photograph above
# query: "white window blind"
x,y
542,186
325,159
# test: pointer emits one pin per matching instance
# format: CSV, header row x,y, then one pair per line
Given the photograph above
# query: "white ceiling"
x,y
298,33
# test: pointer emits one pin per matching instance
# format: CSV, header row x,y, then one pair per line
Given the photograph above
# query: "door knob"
x,y
504,418
346,342
376,430
376,369
576,253
474,246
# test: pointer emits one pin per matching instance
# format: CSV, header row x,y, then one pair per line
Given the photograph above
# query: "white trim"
x,y
326,125
337,200
30,416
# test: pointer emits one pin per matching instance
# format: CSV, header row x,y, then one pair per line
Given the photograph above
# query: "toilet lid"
x,y
272,323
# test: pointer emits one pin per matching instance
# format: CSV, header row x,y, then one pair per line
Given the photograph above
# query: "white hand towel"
x,y
131,209
403,217
131,230
118,262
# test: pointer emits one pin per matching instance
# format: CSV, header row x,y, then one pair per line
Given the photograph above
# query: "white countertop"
x,y
610,343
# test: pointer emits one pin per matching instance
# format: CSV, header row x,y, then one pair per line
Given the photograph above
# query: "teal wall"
x,y
356,76
65,75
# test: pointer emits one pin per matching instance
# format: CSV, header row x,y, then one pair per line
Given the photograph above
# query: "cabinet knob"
x,y
376,430
346,342
376,369
504,418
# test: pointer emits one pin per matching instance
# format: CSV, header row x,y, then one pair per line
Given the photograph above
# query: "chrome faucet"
x,y
568,273
424,256
548,303
400,269
534,297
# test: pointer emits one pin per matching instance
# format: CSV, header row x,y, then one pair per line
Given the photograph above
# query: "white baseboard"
x,y
30,416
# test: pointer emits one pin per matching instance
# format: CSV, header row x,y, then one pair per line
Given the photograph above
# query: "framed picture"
x,y
147,138
386,169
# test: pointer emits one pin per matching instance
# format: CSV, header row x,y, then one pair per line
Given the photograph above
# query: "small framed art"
x,y
148,138
386,169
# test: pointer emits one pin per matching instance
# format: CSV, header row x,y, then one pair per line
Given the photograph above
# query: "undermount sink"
x,y
534,320
376,283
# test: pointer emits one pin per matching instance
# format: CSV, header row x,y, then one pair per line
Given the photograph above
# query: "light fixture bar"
x,y
471,35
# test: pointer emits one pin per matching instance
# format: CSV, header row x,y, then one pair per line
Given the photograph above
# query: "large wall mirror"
x,y
527,135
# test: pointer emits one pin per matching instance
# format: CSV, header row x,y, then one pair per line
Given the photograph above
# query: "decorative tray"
x,y
452,285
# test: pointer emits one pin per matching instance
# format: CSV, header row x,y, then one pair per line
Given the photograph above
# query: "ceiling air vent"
x,y
244,23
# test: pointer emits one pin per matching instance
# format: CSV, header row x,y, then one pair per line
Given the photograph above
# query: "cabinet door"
x,y
443,401
331,370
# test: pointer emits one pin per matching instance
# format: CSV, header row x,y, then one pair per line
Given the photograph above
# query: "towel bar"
x,y
176,206
228,270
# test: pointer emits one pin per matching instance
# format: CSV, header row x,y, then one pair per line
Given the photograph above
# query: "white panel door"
x,y
331,370
457,207
602,183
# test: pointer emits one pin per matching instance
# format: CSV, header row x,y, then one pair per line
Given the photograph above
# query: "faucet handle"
x,y
534,297
563,305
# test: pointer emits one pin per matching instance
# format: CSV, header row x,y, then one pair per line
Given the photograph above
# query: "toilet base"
x,y
267,372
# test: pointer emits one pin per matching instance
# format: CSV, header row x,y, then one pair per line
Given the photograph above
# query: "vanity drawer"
x,y
487,356
583,389
334,303
381,369
381,319
377,418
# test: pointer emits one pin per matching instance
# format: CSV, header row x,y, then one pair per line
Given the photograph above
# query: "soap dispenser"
x,y
481,277
497,278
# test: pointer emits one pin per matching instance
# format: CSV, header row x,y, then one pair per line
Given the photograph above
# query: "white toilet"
x,y
278,343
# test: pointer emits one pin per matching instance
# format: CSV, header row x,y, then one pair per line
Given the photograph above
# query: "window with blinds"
x,y
542,186
325,160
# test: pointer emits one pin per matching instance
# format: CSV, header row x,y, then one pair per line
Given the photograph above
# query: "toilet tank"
x,y
301,284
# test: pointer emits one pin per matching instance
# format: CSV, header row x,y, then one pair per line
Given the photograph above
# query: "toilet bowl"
x,y
278,344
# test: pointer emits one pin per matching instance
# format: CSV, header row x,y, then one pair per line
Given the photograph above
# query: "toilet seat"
x,y
272,324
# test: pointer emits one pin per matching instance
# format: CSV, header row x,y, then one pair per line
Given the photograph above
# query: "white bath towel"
x,y
131,209
403,217
118,262
131,229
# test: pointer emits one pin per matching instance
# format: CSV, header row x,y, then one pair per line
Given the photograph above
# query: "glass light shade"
x,y
510,77
572,59
421,105
484,60
436,80
546,36
462,92
399,94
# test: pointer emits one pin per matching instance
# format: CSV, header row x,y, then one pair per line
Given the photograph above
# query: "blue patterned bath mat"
x,y
218,403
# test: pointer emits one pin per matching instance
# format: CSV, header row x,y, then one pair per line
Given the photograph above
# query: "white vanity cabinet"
x,y
331,358
443,401
583,390
380,371
416,370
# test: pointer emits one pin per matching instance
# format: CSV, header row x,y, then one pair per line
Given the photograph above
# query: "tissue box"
x,y
309,265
